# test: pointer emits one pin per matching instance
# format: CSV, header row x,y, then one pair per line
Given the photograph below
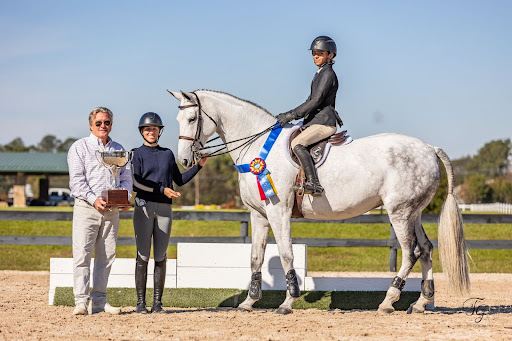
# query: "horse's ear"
x,y
187,96
176,95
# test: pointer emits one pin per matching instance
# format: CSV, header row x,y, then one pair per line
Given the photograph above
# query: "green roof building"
x,y
23,164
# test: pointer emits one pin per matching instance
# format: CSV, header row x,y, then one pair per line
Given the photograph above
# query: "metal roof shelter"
x,y
34,163
23,164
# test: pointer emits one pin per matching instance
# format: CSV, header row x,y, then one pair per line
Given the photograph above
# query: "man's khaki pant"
x,y
96,231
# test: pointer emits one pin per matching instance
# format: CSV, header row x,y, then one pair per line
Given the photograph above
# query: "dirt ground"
x,y
26,315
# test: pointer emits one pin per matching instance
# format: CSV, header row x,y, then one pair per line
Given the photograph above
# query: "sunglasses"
x,y
98,123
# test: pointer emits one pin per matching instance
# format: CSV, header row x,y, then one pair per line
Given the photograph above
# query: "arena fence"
x,y
494,207
244,219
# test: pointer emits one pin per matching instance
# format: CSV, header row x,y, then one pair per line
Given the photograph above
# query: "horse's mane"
x,y
240,99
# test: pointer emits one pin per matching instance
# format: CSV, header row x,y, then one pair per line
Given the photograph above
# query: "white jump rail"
x,y
219,265
122,274
228,265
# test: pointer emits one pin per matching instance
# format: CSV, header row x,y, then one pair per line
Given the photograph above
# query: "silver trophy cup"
x,y
116,196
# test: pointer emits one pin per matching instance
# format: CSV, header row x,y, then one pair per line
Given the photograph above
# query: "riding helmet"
x,y
324,43
150,119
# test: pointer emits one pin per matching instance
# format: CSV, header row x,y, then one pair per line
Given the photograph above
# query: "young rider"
x,y
318,111
154,171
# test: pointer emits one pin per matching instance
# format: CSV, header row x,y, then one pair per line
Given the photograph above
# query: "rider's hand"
x,y
169,193
285,118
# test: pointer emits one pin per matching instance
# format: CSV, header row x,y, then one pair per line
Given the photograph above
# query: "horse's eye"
x,y
191,120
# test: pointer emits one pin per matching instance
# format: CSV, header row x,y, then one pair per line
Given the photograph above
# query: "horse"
x,y
400,172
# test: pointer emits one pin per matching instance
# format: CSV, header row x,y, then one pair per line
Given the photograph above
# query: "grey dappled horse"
x,y
397,171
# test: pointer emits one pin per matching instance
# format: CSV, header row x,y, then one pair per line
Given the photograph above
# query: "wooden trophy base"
x,y
116,198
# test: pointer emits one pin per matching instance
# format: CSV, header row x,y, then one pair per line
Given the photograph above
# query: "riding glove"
x,y
285,118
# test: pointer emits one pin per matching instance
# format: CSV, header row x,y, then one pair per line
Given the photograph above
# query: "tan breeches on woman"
x,y
313,134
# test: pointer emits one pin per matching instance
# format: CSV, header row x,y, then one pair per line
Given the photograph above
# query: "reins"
x,y
196,139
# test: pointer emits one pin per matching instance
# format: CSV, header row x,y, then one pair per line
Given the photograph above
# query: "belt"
x,y
85,201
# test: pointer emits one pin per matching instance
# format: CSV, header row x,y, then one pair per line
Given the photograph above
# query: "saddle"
x,y
318,149
318,152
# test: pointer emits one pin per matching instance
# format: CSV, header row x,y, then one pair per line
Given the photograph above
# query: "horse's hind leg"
x,y
424,248
260,228
405,233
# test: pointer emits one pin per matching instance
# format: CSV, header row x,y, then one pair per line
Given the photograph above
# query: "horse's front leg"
x,y
282,232
260,228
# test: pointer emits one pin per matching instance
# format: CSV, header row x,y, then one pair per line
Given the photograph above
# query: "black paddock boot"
x,y
292,283
312,185
255,288
141,276
159,281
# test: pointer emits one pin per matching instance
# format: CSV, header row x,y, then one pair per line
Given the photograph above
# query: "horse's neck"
x,y
237,119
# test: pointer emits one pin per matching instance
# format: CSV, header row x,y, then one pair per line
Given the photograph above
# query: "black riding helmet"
x,y
150,119
324,43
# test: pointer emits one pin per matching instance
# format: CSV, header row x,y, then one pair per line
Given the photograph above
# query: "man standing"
x,y
95,226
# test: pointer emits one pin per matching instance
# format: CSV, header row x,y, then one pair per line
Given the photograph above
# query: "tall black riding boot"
x,y
141,276
159,281
312,185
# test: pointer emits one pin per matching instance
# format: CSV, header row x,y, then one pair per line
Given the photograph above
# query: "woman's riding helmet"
x,y
324,43
151,119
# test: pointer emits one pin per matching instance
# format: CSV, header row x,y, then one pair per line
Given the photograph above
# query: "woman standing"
x,y
318,111
154,171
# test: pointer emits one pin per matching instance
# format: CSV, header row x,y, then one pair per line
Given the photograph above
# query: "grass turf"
x,y
212,298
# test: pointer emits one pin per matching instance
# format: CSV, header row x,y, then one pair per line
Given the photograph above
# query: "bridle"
x,y
197,146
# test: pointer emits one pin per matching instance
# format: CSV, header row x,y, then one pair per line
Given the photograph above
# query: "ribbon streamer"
x,y
258,167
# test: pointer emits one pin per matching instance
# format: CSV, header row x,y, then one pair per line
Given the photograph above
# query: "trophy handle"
x,y
112,168
129,158
100,160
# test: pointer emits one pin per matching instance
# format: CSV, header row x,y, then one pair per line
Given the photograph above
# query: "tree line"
x,y
216,184
484,177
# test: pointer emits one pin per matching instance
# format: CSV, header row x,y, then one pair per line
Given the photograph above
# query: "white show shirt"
x,y
88,177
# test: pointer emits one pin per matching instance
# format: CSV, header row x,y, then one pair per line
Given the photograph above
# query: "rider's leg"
x,y
309,136
312,185
161,234
141,276
143,221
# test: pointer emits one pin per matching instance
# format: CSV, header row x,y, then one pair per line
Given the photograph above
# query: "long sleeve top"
x,y
88,177
154,169
319,107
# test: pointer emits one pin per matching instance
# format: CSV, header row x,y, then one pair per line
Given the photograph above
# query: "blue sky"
x,y
437,70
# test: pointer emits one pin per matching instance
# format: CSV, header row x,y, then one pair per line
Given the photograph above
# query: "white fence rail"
x,y
494,207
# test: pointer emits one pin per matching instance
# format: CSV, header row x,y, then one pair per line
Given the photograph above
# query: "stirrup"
x,y
299,189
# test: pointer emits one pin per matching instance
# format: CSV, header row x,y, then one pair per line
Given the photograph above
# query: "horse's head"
x,y
194,129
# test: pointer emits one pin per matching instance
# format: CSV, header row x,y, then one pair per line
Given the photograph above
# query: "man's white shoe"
x,y
80,309
106,307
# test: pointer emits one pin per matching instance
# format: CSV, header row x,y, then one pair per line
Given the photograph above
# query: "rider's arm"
x,y
324,82
182,178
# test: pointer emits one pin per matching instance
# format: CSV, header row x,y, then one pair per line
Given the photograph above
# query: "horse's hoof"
x,y
244,310
413,309
386,311
283,311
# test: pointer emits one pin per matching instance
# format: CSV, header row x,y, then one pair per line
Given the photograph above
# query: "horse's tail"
x,y
451,243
